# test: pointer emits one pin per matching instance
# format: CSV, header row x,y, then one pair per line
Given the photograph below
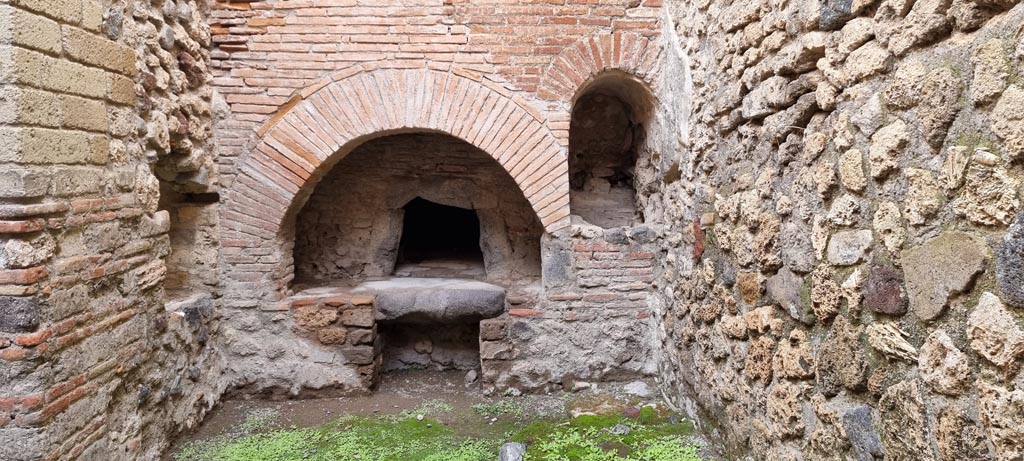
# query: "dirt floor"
x,y
443,397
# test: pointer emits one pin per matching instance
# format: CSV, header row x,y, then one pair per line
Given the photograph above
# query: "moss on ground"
x,y
413,436
608,437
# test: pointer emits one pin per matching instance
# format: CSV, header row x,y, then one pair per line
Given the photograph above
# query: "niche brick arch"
x,y
579,63
309,135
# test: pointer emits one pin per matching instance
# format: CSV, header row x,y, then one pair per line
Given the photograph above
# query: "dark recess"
x,y
434,231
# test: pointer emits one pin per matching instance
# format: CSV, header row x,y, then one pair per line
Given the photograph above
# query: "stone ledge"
x,y
435,300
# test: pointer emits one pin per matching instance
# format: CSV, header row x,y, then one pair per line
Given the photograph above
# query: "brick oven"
x,y
404,212
483,207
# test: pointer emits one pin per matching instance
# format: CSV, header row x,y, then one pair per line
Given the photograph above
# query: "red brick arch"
x,y
301,143
579,63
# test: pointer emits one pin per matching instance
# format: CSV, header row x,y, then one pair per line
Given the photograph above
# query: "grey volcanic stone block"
x,y
642,234
847,247
867,446
797,252
1010,265
556,261
834,13
435,299
512,452
18,314
195,308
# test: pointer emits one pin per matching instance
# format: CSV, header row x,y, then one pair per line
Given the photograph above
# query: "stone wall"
x,y
93,364
351,226
345,325
842,277
591,321
192,265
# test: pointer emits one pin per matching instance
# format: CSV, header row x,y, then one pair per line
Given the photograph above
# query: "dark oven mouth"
x,y
439,240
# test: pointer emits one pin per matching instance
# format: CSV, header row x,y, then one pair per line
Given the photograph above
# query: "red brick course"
x,y
309,79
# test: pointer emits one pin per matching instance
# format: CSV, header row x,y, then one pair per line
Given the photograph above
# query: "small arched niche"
x,y
606,131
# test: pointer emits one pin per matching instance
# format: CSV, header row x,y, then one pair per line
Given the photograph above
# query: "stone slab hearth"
x,y
410,299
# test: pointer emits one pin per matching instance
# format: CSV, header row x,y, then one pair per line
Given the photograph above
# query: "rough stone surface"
x,y
785,288
826,295
512,452
859,427
18,314
989,196
940,102
954,167
794,358
848,247
1001,411
637,388
436,300
20,444
915,107
995,333
827,435
840,364
851,170
1007,117
785,411
870,117
1010,264
888,223
887,146
904,422
958,437
924,197
844,211
943,367
925,22
556,262
960,257
758,366
868,60
891,341
991,69
883,290
749,285
905,89
796,247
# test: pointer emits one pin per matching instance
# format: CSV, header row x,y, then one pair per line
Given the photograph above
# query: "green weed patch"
x,y
409,436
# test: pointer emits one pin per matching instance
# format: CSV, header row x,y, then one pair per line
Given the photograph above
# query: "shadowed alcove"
x,y
408,199
439,239
605,134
